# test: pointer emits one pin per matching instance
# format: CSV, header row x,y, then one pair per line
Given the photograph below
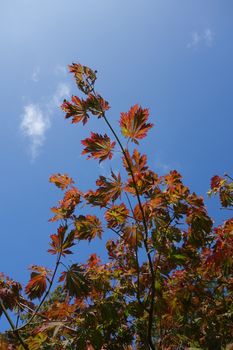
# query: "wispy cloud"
x,y
37,118
62,91
195,39
35,74
206,37
33,125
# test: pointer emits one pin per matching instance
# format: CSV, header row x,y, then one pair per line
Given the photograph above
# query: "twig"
x,y
46,294
14,330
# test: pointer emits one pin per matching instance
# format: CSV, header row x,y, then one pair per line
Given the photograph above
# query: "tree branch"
x,y
14,330
46,294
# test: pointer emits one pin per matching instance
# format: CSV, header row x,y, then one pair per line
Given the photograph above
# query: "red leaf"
x,y
98,146
61,181
85,77
133,124
77,110
97,105
38,282
116,215
138,162
75,281
108,190
67,205
88,227
217,182
59,243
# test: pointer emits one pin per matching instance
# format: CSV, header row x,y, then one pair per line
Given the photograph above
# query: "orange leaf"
x,y
61,181
116,215
85,77
133,124
59,243
109,190
98,146
138,162
77,110
38,282
87,227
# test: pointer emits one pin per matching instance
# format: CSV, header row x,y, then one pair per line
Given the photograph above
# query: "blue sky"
x,y
174,57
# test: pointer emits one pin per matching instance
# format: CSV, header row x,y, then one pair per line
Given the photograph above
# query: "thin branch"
x,y
11,323
151,313
46,294
116,232
136,256
229,177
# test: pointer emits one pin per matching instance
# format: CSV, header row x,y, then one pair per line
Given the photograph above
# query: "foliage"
x,y
168,281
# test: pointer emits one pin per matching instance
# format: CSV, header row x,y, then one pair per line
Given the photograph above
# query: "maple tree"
x,y
168,282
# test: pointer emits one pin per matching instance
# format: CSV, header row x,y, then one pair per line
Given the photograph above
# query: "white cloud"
x,y
195,39
206,37
62,91
35,74
37,118
33,125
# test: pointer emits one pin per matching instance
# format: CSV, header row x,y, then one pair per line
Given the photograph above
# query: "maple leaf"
x,y
224,188
70,199
173,178
76,110
217,182
61,180
93,261
132,236
116,215
87,227
85,77
138,162
98,146
76,281
109,190
59,243
200,225
67,205
9,292
60,310
97,105
36,342
38,282
144,182
133,123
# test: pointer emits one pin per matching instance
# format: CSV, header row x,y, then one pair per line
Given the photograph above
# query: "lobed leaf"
x,y
38,282
98,146
61,180
134,123
75,281
59,243
87,227
76,110
85,77
109,190
116,215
